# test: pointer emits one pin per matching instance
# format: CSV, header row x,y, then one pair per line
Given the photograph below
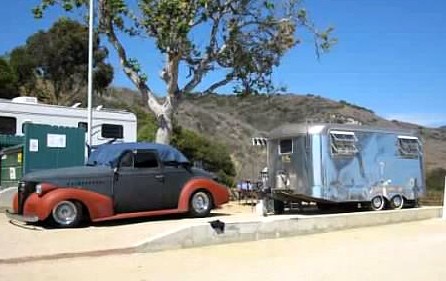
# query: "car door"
x,y
139,182
176,177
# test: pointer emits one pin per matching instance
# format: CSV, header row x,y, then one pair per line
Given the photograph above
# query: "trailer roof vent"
x,y
32,100
343,143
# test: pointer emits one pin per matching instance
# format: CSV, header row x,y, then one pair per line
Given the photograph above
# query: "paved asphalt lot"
x,y
409,251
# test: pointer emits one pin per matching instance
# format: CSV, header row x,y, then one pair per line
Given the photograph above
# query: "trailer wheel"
x,y
279,207
397,202
377,203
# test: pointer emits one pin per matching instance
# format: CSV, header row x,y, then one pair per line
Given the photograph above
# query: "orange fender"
x,y
98,205
220,193
15,202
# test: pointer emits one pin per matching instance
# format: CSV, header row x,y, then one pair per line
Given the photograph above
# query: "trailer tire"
x,y
397,202
378,203
279,207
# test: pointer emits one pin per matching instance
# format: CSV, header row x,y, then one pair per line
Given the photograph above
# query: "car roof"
x,y
108,154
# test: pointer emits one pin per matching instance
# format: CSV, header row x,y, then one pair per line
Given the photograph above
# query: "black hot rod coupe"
x,y
119,181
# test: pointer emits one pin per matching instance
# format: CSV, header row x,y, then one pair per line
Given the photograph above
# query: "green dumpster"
x,y
9,140
11,166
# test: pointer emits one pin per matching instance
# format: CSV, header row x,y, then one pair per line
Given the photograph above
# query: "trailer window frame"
x,y
83,125
343,143
8,128
281,152
409,147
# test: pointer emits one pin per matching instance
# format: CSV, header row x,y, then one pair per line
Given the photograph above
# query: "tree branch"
x,y
219,84
203,64
107,23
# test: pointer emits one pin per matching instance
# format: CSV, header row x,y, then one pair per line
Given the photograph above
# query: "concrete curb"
x,y
6,196
279,226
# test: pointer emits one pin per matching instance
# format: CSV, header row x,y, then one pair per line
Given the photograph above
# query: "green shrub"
x,y
435,179
355,106
213,155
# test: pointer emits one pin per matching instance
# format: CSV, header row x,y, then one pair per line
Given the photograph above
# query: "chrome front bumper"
x,y
22,218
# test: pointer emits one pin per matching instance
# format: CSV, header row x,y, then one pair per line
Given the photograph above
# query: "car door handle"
x,y
159,177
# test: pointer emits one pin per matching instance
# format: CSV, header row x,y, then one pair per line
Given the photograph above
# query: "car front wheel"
x,y
200,204
67,214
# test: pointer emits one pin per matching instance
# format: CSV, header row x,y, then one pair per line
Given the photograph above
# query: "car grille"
x,y
24,190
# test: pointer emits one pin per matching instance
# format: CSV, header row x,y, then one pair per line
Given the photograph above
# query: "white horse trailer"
x,y
107,125
338,164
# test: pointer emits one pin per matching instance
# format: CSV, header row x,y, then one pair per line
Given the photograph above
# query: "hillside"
x,y
233,120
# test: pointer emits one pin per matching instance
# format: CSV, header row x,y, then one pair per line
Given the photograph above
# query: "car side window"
x,y
146,159
127,159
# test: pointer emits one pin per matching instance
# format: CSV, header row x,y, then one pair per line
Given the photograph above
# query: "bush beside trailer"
x,y
335,163
107,124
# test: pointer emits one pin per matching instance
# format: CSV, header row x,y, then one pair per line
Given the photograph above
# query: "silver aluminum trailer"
x,y
336,163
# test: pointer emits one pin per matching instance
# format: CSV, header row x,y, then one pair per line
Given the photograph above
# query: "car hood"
x,y
73,176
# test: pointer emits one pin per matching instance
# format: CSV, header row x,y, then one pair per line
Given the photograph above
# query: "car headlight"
x,y
39,188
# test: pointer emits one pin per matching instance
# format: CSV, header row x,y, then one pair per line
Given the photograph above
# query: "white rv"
x,y
107,124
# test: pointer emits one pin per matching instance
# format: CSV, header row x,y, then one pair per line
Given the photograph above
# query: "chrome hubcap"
x,y
377,202
65,212
200,202
397,201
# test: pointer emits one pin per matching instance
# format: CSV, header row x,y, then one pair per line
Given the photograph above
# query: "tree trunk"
x,y
164,132
165,129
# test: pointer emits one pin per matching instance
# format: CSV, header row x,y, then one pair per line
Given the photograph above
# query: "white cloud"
x,y
425,119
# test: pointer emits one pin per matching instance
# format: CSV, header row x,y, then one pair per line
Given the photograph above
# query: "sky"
x,y
390,56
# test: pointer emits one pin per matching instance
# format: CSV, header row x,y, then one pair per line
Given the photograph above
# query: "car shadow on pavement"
x,y
41,226
163,218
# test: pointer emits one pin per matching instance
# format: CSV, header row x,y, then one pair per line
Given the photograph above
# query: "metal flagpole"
x,y
90,73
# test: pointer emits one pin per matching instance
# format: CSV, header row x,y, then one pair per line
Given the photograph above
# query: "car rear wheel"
x,y
200,204
67,214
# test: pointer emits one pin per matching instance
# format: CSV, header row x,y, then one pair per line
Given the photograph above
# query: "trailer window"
x,y
343,143
408,146
286,146
112,131
83,125
8,125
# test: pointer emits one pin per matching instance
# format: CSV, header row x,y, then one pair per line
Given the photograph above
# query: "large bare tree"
x,y
240,40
